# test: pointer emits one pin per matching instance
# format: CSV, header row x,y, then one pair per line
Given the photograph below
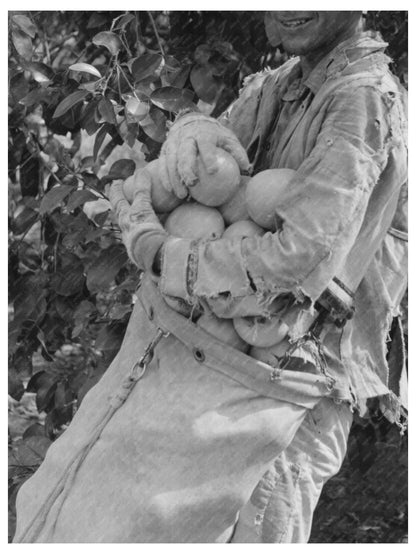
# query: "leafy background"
x,y
91,95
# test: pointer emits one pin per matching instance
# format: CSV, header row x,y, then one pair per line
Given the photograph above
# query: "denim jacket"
x,y
347,140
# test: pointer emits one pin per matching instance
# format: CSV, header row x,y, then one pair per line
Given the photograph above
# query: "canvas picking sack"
x,y
173,456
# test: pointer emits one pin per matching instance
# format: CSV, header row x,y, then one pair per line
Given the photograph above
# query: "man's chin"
x,y
295,49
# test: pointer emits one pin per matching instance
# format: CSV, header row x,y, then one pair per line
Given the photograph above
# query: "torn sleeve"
x,y
321,212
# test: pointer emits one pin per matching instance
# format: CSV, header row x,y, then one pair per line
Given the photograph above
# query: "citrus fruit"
x,y
270,354
235,208
263,194
300,359
222,329
214,189
243,228
195,221
163,201
261,331
181,306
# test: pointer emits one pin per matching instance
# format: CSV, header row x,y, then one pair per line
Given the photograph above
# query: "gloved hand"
x,y
142,232
191,135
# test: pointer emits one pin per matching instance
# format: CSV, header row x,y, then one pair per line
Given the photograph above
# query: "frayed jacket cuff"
x,y
175,267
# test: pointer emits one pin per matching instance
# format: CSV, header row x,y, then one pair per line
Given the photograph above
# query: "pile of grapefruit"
x,y
225,205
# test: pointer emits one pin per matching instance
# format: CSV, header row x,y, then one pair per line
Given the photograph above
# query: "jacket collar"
x,y
348,51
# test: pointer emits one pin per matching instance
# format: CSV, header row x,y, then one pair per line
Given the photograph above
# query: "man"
x,y
331,116
336,116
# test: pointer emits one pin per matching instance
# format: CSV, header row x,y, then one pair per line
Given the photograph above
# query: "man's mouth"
x,y
293,23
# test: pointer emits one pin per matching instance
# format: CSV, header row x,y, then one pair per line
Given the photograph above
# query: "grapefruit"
x,y
195,221
263,194
270,354
243,228
223,330
261,331
163,201
214,189
236,209
300,358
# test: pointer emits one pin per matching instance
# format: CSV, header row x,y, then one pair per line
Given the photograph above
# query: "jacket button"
x,y
198,355
151,313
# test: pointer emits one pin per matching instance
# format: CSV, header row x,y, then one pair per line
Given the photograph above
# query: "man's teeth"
x,y
295,22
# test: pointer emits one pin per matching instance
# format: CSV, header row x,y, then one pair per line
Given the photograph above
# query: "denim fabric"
x,y
347,141
281,507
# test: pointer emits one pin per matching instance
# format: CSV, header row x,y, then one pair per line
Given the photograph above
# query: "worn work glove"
x,y
142,232
191,135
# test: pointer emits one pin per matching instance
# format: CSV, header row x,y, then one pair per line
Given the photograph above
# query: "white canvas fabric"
x,y
175,457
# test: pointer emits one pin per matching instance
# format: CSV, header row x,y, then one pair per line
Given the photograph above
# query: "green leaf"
x,y
108,39
89,118
85,68
173,99
69,279
44,385
21,363
81,317
146,66
90,87
30,303
29,175
128,132
25,24
104,269
64,307
106,109
38,95
99,139
79,197
137,108
41,72
24,221
110,337
16,388
38,380
63,396
175,76
154,125
96,20
83,311
32,450
122,169
34,430
44,397
23,44
205,85
124,21
19,87
181,77
118,311
54,198
70,101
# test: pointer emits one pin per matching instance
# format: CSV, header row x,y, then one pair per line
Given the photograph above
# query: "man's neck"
x,y
309,61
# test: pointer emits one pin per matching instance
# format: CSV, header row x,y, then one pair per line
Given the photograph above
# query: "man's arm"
x,y
322,213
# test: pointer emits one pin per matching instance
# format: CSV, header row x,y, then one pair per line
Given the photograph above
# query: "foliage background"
x,y
91,95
